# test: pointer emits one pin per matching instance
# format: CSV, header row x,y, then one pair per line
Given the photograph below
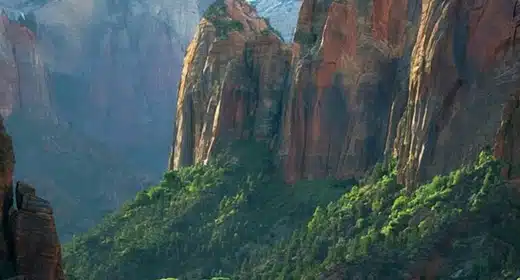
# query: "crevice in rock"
x,y
447,104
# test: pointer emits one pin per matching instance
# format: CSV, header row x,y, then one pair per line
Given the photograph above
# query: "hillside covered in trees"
x,y
235,219
380,144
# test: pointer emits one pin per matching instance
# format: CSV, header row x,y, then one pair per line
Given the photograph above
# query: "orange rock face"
x,y
342,91
424,81
430,82
232,86
464,70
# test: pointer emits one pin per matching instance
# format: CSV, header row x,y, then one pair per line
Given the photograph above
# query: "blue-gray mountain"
x,y
88,88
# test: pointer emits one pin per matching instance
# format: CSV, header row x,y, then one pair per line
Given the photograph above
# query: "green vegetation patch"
x,y
218,16
234,218
199,222
468,219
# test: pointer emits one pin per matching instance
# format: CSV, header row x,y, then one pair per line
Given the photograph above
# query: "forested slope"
x,y
233,219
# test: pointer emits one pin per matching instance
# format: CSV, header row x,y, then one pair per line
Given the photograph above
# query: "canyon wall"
x,y
349,60
430,82
443,70
463,81
232,84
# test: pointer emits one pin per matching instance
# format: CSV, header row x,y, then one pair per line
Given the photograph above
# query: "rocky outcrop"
x,y
443,70
348,65
429,82
29,245
463,88
232,83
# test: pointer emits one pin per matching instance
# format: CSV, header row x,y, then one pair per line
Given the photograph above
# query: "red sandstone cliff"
x,y
430,82
447,94
348,65
232,83
463,86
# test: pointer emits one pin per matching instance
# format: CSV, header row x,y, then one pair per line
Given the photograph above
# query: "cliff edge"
x,y
429,82
232,85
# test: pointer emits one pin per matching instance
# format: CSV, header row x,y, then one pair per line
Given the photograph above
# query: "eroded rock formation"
x,y
464,71
348,60
430,82
232,83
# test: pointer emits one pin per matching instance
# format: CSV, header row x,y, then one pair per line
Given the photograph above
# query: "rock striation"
x,y
463,86
232,85
431,83
348,60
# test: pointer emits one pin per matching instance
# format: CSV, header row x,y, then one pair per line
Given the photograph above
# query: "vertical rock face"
x,y
431,82
232,83
22,73
463,88
348,64
449,79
